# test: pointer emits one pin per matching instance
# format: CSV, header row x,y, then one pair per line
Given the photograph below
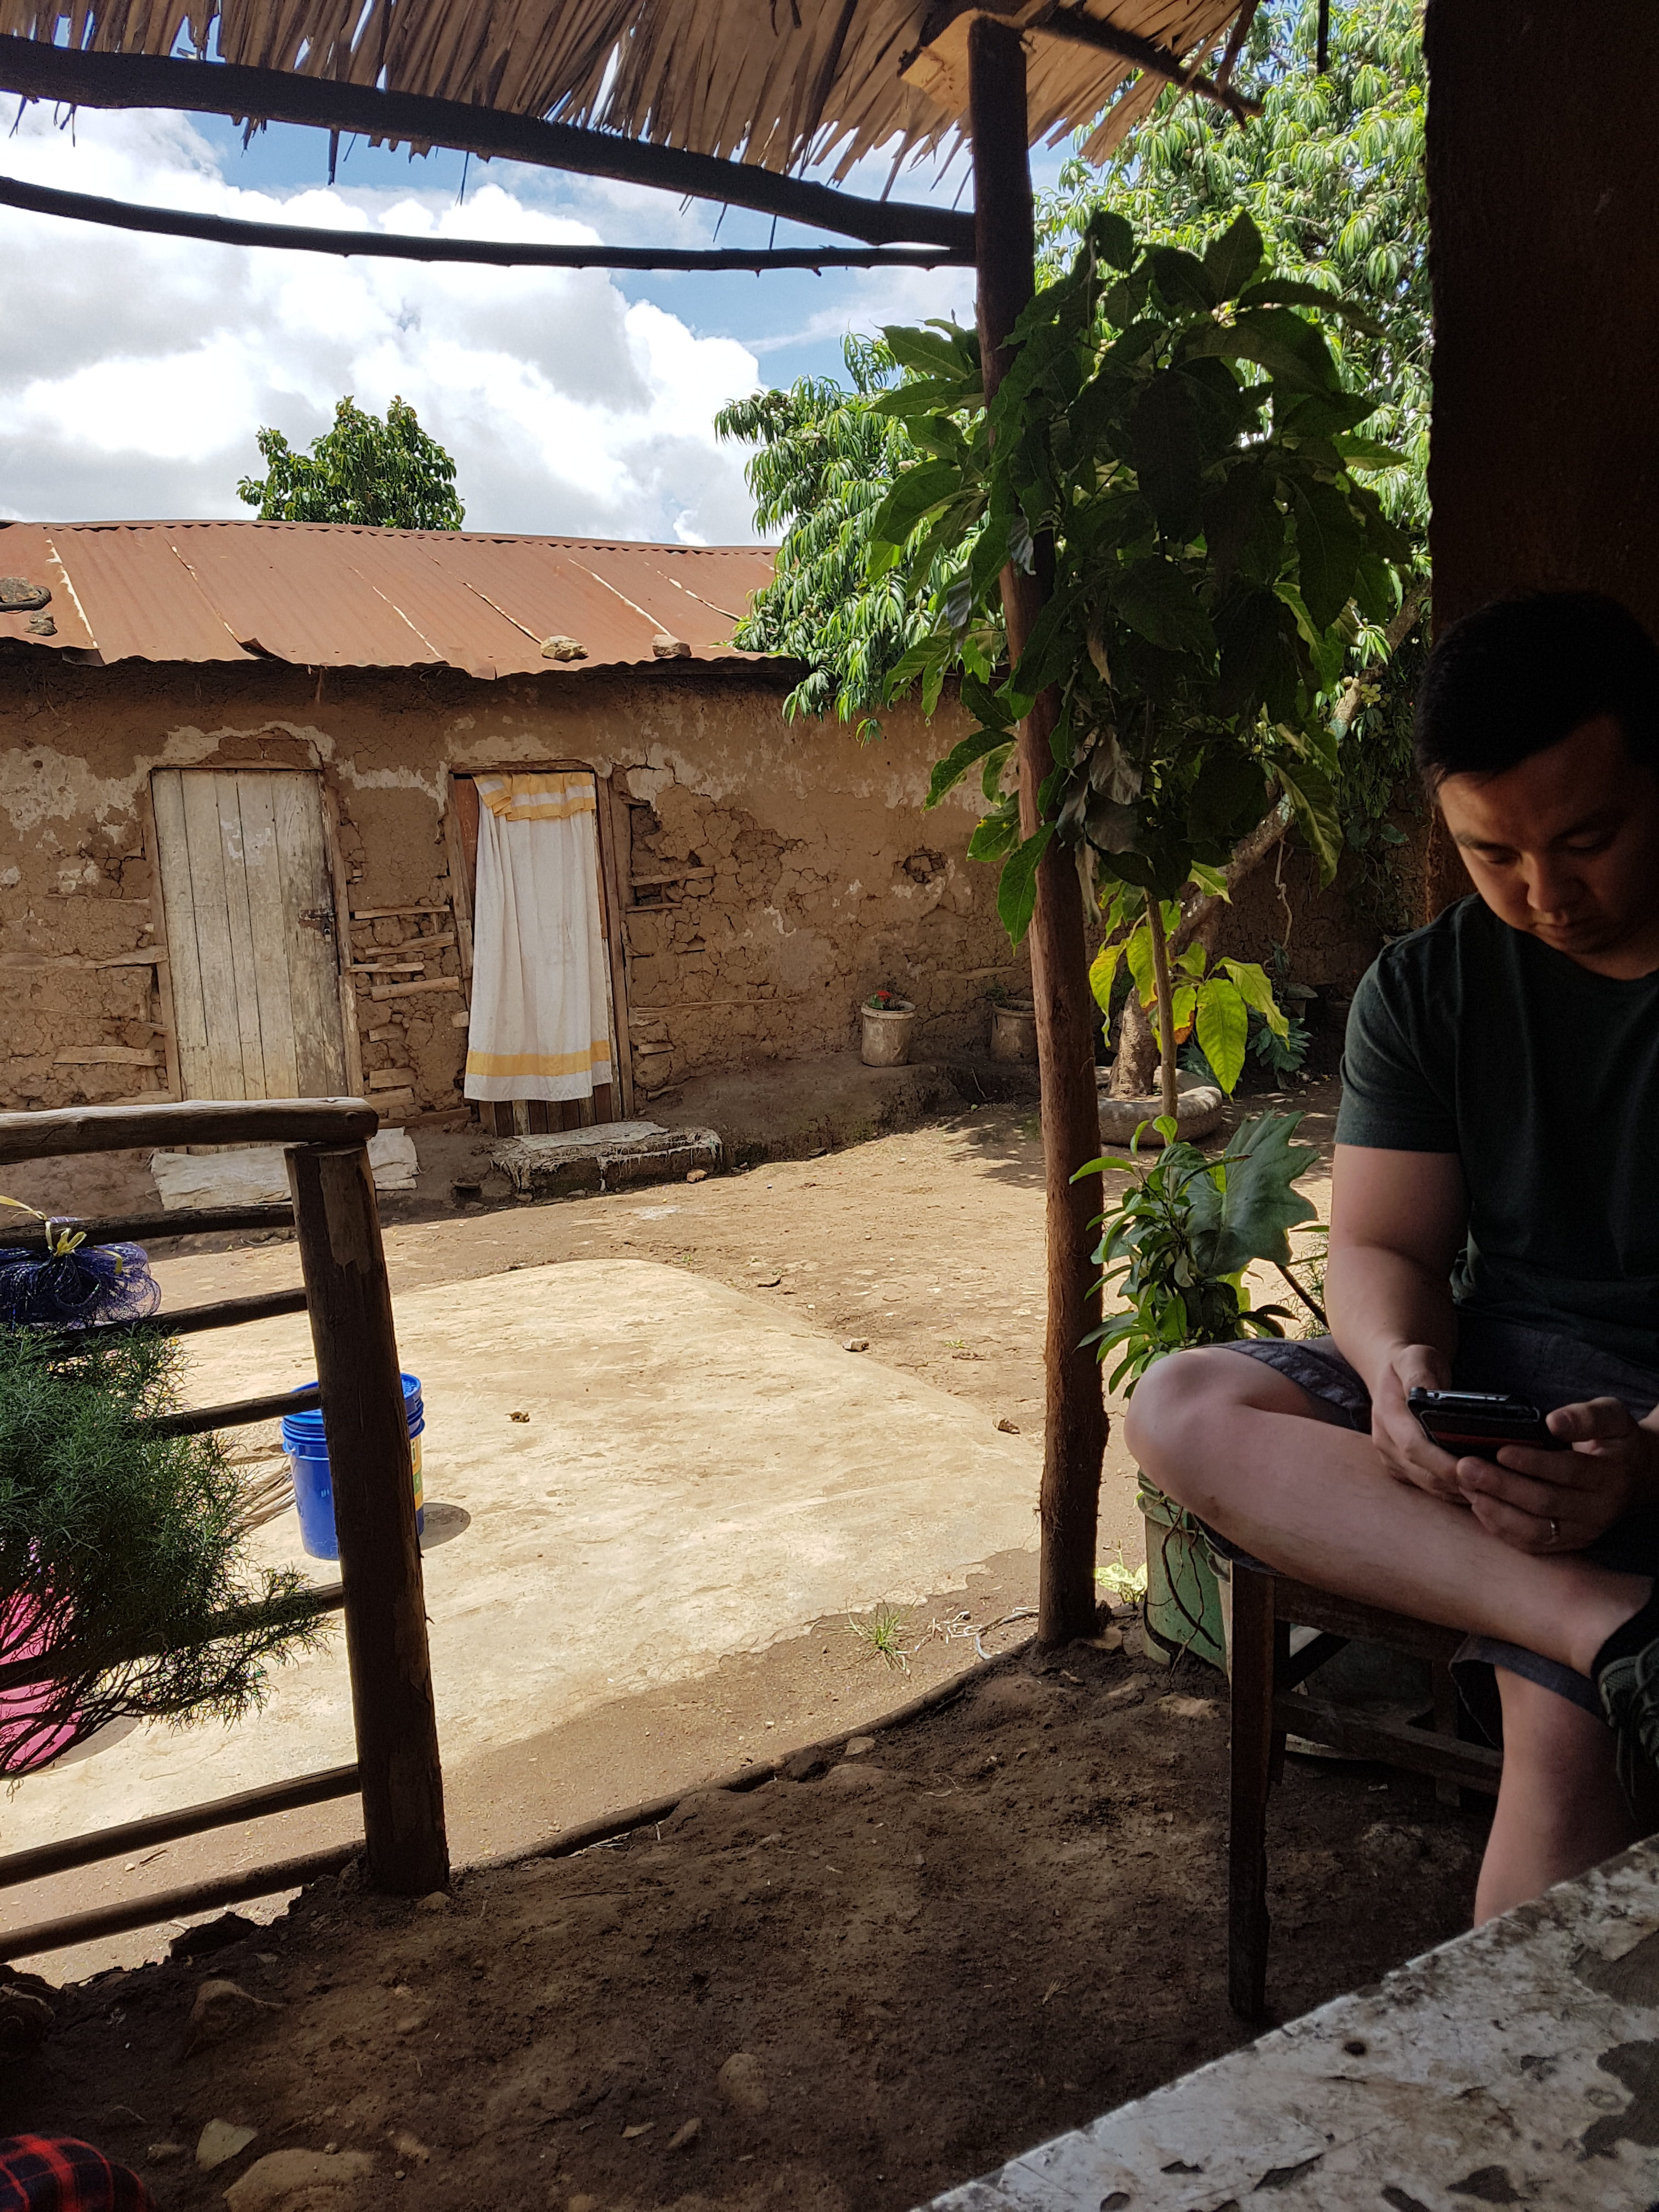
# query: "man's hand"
x,y
1396,1431
1560,1501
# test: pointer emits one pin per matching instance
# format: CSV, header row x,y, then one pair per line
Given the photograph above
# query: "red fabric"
x,y
55,2173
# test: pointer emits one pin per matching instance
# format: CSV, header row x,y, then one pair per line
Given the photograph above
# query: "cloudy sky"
x,y
135,371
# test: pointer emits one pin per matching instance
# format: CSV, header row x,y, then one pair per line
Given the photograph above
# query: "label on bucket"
x,y
415,1456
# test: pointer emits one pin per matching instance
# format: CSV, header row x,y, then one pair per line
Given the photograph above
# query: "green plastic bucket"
x,y
1184,1574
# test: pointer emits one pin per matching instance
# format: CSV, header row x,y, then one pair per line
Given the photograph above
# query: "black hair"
x,y
1518,676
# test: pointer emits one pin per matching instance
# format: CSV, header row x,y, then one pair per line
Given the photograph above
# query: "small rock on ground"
x,y
743,2084
219,2141
280,2176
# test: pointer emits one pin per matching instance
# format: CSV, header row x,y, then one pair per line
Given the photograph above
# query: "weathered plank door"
x,y
252,942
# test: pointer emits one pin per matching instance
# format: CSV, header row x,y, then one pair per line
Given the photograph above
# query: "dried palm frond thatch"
x,y
781,84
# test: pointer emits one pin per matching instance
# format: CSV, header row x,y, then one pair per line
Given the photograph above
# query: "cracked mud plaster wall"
x,y
795,872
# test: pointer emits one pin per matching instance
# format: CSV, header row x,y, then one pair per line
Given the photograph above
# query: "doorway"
x,y
247,893
561,814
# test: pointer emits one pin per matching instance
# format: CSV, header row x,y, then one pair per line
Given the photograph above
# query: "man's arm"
x,y
1398,1221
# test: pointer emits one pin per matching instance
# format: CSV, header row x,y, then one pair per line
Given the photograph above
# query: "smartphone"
x,y
1479,1421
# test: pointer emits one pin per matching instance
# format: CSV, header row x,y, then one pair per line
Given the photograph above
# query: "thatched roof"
x,y
781,84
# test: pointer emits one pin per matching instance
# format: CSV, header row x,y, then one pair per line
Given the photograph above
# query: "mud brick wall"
x,y
768,876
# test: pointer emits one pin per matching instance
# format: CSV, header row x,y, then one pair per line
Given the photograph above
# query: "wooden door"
x,y
249,894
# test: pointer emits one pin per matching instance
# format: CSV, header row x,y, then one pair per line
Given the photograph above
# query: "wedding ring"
x,y
1555,1532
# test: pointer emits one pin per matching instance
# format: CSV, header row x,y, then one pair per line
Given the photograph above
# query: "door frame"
x,y
352,1044
462,874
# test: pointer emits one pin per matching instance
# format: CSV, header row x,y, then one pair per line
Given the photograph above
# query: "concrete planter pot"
x,y
887,1031
1013,1031
1197,1109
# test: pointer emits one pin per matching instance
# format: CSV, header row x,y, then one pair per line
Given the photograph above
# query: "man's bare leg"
x,y
1560,1810
1253,1454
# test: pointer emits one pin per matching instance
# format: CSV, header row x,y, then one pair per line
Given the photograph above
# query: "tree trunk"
x,y
1074,1427
1170,1083
1137,1052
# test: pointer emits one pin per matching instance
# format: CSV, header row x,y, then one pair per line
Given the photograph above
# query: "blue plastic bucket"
x,y
313,1490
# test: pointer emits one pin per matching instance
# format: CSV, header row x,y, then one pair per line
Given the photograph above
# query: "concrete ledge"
x,y
611,1156
789,1109
1513,2066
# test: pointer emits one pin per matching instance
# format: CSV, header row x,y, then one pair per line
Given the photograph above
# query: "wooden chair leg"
x,y
1254,1645
1447,1791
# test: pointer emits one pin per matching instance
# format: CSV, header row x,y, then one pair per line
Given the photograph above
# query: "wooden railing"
x,y
398,1774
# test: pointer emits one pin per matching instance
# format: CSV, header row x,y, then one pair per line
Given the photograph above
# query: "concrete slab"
x,y
1514,2066
700,1474
611,1156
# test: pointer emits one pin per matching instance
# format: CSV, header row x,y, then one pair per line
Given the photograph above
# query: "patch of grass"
x,y
1030,1127
885,1633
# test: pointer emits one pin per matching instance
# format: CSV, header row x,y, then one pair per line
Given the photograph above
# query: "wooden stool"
x,y
1264,1675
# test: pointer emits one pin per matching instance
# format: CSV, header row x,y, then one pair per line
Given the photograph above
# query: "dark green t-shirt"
x,y
1472,1037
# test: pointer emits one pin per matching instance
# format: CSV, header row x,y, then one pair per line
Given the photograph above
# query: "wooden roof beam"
x,y
73,78
401,245
1086,30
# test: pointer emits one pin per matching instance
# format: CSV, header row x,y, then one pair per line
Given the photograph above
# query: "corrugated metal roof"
x,y
329,595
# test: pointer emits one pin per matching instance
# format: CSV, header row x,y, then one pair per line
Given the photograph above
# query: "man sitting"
x,y
1494,1227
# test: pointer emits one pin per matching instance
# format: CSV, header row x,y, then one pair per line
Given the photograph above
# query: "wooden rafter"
x,y
71,78
301,238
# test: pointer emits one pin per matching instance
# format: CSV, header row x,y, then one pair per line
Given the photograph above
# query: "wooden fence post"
x,y
339,1229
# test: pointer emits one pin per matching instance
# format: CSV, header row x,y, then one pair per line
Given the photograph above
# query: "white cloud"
x,y
134,371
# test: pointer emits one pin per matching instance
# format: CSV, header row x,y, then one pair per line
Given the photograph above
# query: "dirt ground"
x,y
862,1983
848,1989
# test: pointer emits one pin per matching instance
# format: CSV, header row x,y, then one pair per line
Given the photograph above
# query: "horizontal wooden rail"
x,y
71,1661
1380,1734
68,1129
189,1320
272,1798
145,1228
1310,1607
202,1421
172,1903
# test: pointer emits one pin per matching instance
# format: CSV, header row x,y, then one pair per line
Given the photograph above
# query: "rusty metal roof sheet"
x,y
327,595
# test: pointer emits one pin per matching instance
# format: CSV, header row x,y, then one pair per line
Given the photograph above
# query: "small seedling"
x,y
1128,1584
883,1632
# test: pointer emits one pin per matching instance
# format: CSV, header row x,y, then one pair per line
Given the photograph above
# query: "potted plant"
x,y
1013,1023
1175,1244
888,1022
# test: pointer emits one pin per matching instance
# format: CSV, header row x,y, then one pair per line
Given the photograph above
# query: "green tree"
x,y
1175,446
363,470
823,464
1331,174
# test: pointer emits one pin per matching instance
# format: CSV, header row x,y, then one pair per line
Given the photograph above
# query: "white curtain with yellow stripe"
x,y
540,1025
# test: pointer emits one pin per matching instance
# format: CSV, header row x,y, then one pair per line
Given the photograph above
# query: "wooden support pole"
x,y
1074,1427
338,1231
1256,1640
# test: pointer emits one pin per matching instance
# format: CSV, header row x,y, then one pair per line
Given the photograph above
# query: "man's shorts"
x,y
1547,1372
